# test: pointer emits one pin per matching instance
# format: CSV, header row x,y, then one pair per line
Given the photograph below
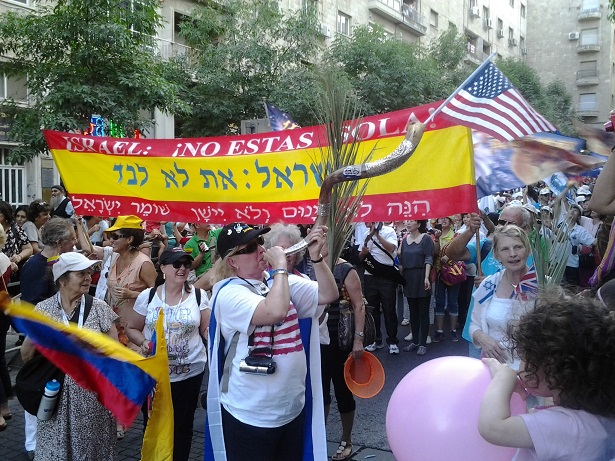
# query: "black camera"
x,y
258,364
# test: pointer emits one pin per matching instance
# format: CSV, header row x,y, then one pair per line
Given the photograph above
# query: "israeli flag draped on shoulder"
x,y
315,443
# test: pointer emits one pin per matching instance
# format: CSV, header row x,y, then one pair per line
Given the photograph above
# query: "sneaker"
x,y
405,322
371,347
410,347
428,339
379,345
454,336
439,336
422,350
409,337
393,349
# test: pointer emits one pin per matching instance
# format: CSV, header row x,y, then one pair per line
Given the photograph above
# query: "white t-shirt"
x,y
187,354
562,434
109,257
390,236
265,400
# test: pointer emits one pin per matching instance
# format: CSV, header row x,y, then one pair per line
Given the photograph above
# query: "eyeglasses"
x,y
117,236
503,222
251,248
178,264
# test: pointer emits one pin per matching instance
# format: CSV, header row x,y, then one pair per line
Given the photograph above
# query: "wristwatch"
x,y
359,333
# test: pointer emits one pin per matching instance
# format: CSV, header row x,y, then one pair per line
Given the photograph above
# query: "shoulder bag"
x,y
38,371
383,270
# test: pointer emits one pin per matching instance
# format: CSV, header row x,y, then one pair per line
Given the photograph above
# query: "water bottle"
x,y
48,401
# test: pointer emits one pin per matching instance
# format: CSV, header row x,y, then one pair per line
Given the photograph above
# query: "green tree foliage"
x,y
553,101
247,52
389,74
82,58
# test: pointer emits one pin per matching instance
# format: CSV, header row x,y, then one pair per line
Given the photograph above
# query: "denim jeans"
x,y
446,297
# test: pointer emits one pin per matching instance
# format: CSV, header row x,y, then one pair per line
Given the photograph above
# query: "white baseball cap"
x,y
71,261
545,191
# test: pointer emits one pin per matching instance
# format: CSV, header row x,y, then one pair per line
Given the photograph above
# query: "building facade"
x,y
571,40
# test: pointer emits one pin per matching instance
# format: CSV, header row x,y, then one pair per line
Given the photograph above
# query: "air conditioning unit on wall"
x,y
573,36
489,23
475,11
500,33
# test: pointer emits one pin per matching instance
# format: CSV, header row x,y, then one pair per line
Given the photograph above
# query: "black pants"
x,y
244,442
419,319
381,294
463,300
332,361
185,396
6,389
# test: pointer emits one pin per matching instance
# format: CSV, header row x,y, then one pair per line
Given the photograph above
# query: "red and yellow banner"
x,y
263,178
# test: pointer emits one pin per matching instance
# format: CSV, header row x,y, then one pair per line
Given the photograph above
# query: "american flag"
x,y
278,119
488,102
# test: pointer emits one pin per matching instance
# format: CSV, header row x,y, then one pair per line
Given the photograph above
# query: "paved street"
x,y
369,435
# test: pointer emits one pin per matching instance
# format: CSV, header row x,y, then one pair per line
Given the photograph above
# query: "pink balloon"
x,y
433,413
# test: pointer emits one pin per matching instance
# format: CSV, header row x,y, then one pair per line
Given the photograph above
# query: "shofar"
x,y
363,171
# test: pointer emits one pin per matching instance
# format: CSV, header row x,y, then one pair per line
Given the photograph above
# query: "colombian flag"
x,y
121,378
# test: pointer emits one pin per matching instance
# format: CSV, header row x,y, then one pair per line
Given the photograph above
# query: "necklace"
x,y
509,282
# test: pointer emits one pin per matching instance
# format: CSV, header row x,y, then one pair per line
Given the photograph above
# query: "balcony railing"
x,y
587,77
588,48
590,13
587,109
399,14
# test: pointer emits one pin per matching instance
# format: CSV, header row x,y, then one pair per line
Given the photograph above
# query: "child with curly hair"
x,y
567,348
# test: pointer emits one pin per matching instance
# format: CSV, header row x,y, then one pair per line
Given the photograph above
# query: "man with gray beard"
x,y
61,205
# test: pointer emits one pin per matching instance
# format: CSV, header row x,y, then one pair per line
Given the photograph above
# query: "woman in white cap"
x,y
81,428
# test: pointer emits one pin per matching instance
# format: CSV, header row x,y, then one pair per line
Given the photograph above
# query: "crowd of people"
x,y
234,290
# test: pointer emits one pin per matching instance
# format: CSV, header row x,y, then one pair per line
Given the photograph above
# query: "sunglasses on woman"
x,y
185,263
250,248
116,236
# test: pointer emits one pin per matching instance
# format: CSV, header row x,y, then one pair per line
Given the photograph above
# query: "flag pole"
x,y
478,69
267,112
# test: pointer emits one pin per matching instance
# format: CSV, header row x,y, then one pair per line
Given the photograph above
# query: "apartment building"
x,y
574,44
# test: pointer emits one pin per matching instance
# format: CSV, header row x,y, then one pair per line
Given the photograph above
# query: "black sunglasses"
x,y
503,222
177,264
116,236
250,248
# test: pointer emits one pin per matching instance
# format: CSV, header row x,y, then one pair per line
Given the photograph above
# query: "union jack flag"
x,y
528,286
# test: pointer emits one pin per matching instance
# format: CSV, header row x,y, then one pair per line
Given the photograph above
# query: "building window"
x,y
587,101
13,88
590,5
511,3
343,24
511,33
433,19
12,180
522,42
589,36
485,13
588,69
522,10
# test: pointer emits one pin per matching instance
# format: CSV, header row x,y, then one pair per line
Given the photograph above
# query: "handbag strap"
x,y
382,248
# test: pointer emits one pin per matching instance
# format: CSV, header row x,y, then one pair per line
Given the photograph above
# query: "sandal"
x,y
344,451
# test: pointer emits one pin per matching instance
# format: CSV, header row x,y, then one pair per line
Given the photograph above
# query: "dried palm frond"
x,y
337,110
551,250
